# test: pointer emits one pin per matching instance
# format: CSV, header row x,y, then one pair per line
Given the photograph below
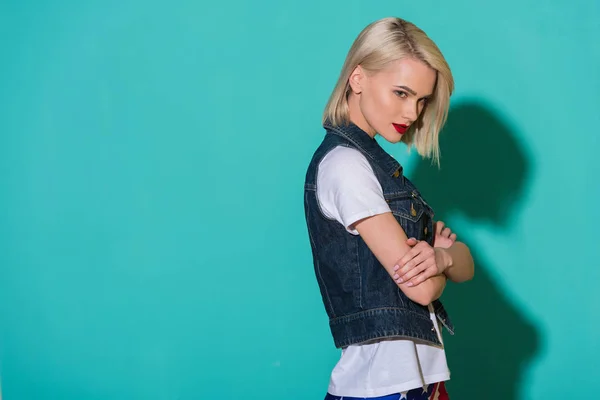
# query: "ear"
x,y
357,79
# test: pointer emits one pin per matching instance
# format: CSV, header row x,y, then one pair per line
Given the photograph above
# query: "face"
x,y
389,101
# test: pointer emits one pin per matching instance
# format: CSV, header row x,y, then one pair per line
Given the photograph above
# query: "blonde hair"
x,y
385,41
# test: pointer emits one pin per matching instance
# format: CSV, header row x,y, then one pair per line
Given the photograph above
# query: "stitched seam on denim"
x,y
417,332
360,271
394,332
438,311
371,312
409,217
386,335
404,213
451,330
397,195
389,173
325,288
316,187
318,269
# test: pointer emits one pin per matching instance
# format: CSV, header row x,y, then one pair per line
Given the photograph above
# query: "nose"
x,y
410,111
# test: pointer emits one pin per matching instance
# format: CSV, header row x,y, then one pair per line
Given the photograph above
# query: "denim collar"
x,y
367,145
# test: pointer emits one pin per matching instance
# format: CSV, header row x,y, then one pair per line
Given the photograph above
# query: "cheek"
x,y
379,110
386,100
380,103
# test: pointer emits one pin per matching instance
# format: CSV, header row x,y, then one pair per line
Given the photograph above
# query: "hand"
x,y
420,263
444,237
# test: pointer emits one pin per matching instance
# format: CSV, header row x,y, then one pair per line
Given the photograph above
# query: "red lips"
x,y
400,128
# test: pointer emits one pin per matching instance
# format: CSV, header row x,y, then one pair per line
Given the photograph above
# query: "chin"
x,y
394,137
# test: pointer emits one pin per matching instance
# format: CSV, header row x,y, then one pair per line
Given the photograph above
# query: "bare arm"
x,y
453,259
461,267
386,239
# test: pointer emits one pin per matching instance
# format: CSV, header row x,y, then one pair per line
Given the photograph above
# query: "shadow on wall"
x,y
483,175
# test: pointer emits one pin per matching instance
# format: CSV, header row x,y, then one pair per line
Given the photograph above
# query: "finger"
x,y
453,237
410,269
423,276
408,256
426,253
446,232
417,248
417,270
439,225
411,242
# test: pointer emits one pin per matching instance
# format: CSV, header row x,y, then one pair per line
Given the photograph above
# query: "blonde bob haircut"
x,y
379,44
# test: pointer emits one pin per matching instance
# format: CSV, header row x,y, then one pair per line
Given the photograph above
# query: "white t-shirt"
x,y
347,191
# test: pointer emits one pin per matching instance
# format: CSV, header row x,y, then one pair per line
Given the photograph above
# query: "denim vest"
x,y
362,301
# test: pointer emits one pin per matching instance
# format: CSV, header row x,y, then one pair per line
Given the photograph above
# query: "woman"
x,y
380,260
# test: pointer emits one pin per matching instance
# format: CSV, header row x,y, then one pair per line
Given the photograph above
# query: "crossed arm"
x,y
419,270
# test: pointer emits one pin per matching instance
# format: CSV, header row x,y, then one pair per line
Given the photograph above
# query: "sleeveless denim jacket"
x,y
362,301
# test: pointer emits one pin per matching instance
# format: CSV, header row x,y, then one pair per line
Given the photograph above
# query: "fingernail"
x,y
396,268
409,284
396,276
400,280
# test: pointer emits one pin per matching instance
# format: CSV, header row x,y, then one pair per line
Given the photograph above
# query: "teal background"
x,y
152,156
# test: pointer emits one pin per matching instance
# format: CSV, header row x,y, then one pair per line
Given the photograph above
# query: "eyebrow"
x,y
409,90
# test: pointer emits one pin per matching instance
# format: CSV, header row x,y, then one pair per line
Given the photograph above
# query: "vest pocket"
x,y
406,205
412,213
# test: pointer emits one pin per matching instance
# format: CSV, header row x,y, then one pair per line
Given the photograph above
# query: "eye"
x,y
400,93
425,100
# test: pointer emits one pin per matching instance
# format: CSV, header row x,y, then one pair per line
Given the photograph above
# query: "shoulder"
x,y
346,170
344,160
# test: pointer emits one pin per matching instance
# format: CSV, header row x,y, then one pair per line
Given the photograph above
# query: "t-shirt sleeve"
x,y
347,188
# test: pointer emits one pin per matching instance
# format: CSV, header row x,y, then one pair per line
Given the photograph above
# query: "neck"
x,y
357,117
